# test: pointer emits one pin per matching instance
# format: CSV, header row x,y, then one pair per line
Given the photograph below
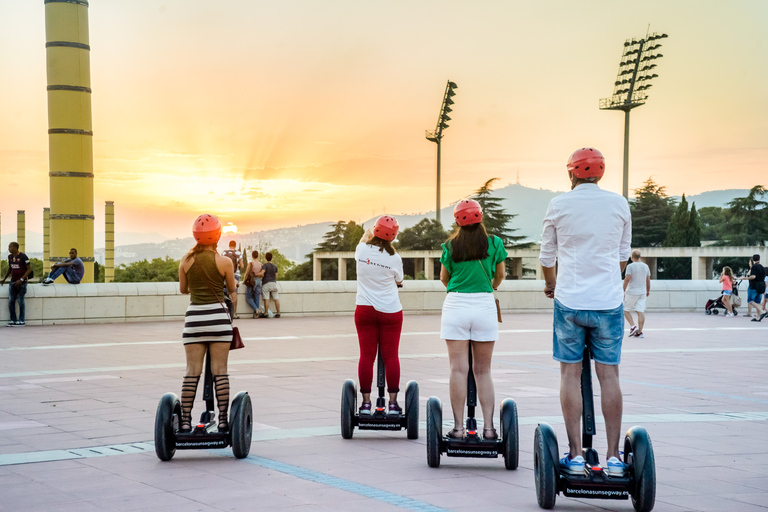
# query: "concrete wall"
x,y
137,302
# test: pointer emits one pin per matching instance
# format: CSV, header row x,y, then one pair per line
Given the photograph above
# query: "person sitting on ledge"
x,y
72,269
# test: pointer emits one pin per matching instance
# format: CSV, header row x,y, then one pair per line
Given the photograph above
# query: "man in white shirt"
x,y
637,286
587,233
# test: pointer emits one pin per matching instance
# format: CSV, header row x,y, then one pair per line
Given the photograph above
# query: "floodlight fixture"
x,y
437,135
627,98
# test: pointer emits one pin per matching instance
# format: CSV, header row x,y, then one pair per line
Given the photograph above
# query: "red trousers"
x,y
374,328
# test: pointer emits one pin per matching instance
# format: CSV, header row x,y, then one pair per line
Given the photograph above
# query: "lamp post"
x,y
437,135
633,79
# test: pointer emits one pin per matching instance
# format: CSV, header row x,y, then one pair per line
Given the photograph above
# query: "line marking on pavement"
x,y
108,369
346,335
345,485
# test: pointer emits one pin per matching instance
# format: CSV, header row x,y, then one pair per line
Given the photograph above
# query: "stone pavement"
x,y
78,405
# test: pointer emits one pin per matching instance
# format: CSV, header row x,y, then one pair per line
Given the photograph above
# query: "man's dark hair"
x,y
469,243
756,258
255,254
232,243
14,244
383,245
73,249
268,256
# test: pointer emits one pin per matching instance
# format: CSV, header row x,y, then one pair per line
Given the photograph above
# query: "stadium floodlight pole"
x,y
437,135
635,73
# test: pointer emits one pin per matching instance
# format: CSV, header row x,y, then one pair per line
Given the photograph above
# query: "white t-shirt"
x,y
638,273
377,273
587,232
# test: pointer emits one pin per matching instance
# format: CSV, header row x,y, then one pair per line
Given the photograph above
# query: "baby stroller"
x,y
714,306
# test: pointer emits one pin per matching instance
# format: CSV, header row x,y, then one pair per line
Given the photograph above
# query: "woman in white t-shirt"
x,y
379,315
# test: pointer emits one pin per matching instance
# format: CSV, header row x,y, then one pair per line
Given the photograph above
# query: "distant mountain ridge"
x,y
529,204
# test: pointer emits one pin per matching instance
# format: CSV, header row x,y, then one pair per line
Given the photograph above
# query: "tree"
x,y
651,211
684,230
344,236
284,265
426,235
749,218
157,270
495,217
714,222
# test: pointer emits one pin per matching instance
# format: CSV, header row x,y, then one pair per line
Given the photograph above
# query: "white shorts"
x,y
269,290
634,303
469,316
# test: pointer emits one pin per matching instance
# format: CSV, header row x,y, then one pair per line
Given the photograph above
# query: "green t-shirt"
x,y
468,276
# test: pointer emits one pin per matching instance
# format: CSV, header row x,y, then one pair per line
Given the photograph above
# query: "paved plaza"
x,y
78,405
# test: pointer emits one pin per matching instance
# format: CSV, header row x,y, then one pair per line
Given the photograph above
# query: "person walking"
x,y
472,267
236,256
19,269
756,278
72,269
207,324
585,246
253,275
726,278
378,313
637,287
269,287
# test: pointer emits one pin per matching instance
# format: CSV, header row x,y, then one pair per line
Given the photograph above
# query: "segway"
x,y
379,419
638,482
205,434
472,445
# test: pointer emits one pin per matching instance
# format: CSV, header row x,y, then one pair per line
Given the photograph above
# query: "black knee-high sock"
x,y
188,392
222,397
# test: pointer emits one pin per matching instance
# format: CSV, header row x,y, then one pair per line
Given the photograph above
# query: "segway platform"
x,y
637,483
379,419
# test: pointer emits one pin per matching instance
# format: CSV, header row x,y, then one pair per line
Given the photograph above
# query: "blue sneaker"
x,y
572,466
614,467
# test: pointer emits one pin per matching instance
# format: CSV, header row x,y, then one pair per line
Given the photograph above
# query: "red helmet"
x,y
468,211
206,229
386,228
586,163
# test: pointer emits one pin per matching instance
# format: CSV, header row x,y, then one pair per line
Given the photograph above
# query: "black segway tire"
x,y
241,425
637,443
166,425
348,402
412,409
544,470
434,431
509,434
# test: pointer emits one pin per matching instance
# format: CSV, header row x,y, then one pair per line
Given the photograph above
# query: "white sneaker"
x,y
614,467
47,281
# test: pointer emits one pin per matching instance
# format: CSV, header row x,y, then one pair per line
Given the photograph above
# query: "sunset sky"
x,y
274,114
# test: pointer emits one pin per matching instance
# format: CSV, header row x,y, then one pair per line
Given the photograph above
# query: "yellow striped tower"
x,y
46,241
109,241
21,230
70,134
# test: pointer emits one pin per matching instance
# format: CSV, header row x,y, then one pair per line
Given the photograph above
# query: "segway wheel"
x,y
348,402
434,431
509,433
412,409
242,425
166,425
637,445
544,470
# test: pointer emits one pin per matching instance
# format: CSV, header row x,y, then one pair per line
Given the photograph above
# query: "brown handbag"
x,y
237,340
498,306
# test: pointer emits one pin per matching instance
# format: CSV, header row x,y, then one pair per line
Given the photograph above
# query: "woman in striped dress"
x,y
207,326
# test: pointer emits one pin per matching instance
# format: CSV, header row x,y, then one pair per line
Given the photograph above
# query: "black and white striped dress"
x,y
207,323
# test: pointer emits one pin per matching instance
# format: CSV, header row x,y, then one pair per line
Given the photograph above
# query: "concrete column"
x,y
109,241
70,131
429,268
698,268
418,266
46,241
652,266
539,272
342,269
21,230
317,269
517,268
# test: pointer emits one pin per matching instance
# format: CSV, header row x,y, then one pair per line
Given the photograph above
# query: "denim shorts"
x,y
605,329
753,296
727,292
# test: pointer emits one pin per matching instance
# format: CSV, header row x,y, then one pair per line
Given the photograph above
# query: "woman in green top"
x,y
472,267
